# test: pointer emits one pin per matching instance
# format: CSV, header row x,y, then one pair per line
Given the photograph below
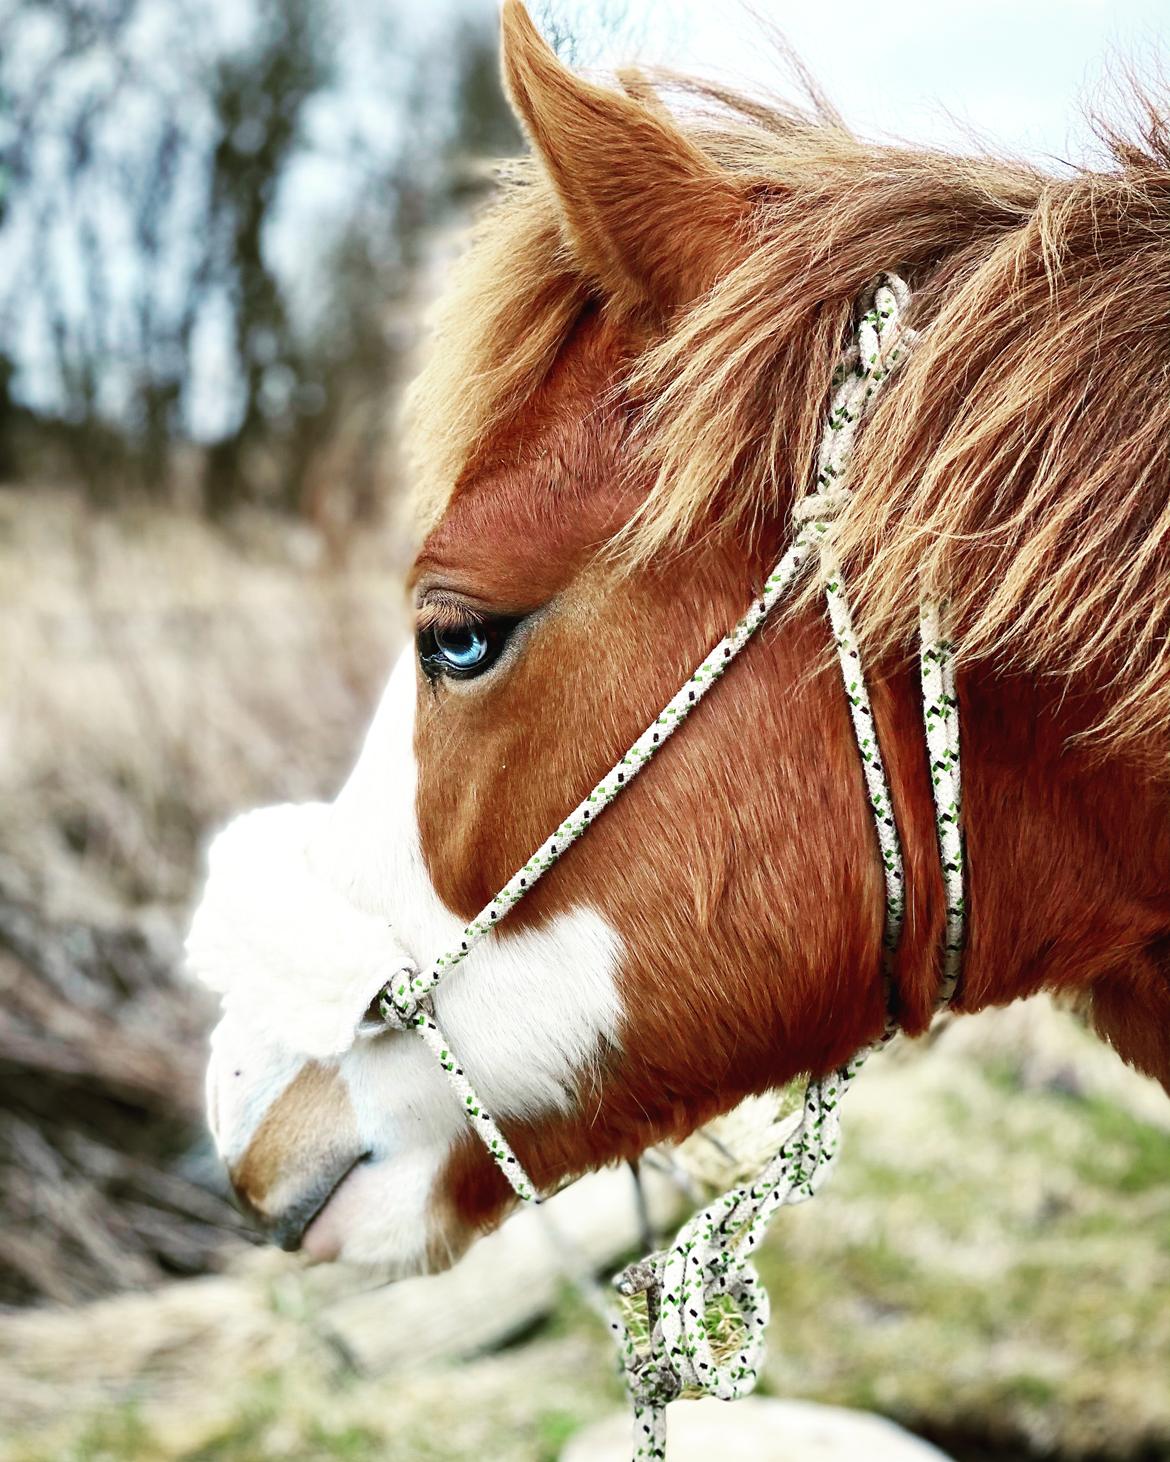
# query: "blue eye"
x,y
462,651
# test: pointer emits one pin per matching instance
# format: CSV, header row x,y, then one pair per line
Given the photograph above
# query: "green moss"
x,y
118,1436
1125,1154
1030,1390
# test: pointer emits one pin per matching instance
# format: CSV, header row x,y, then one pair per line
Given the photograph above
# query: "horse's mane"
x,y
1020,461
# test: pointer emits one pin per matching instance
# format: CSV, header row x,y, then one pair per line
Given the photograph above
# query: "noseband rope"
x,y
710,1260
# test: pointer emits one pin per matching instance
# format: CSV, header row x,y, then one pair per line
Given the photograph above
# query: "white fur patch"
x,y
310,909
292,958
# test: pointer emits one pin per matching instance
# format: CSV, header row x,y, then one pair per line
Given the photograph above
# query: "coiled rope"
x,y
708,1267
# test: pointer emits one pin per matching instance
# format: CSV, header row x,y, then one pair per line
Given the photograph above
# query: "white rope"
x,y
709,1262
940,713
864,368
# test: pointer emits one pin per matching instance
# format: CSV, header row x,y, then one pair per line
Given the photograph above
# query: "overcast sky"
x,y
1016,72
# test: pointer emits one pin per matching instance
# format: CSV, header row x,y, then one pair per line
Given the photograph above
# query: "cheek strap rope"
x,y
708,1267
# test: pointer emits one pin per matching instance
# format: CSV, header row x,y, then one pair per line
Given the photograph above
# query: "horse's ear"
x,y
652,218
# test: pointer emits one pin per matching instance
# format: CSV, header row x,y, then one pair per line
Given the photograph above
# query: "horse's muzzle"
x,y
287,1226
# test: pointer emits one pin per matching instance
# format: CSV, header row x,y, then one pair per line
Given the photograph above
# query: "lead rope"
x,y
709,1264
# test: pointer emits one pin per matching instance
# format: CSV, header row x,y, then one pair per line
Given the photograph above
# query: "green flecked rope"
x,y
710,1260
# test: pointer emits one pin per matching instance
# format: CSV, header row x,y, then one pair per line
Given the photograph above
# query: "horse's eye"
x,y
462,651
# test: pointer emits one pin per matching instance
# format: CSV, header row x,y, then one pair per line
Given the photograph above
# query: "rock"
x,y
762,1429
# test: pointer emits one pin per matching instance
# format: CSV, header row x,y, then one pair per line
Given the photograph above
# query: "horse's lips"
x,y
324,1239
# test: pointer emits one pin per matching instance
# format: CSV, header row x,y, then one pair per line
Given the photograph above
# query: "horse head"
x,y
622,397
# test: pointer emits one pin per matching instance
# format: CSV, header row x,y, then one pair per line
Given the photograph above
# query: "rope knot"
x,y
692,1291
825,506
653,1382
396,1006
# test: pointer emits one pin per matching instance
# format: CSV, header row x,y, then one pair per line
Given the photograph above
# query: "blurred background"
x,y
220,224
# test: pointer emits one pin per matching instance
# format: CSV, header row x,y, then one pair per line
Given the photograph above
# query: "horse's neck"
x,y
1068,864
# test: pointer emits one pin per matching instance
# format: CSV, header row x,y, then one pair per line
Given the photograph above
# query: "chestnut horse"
x,y
624,394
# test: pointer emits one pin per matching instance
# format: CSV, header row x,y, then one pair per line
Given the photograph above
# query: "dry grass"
x,y
159,676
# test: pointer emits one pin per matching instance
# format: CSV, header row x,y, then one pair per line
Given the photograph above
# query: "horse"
x,y
621,402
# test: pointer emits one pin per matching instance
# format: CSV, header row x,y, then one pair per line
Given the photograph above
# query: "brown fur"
x,y
596,386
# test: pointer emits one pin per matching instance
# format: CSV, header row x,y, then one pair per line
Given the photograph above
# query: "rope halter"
x,y
709,1263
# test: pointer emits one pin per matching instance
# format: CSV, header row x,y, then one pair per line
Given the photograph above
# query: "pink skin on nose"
x,y
324,1239
370,1197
